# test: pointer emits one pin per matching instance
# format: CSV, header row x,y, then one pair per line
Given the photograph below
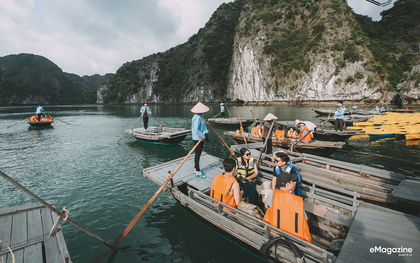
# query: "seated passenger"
x,y
281,160
305,135
310,125
280,132
224,187
247,175
292,134
256,130
286,210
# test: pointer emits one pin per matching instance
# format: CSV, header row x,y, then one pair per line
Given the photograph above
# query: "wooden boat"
x,y
44,121
348,120
232,122
165,135
322,148
327,135
343,228
402,110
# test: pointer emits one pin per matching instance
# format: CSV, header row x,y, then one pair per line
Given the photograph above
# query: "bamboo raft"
x,y
26,231
164,136
343,228
371,184
232,122
322,148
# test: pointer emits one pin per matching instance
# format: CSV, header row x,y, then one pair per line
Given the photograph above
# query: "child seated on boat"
x,y
224,187
292,134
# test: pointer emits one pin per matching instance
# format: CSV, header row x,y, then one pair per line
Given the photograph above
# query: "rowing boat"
x,y
164,136
44,121
232,122
321,148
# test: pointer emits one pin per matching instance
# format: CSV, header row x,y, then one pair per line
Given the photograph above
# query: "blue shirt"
x,y
143,109
339,114
39,110
198,127
222,108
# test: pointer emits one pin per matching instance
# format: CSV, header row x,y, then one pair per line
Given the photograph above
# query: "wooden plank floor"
x,y
408,191
208,164
25,230
375,226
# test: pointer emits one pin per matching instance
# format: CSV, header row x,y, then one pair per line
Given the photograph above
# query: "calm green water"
x,y
81,166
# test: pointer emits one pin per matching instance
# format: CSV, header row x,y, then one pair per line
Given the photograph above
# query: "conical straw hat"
x,y
269,117
200,108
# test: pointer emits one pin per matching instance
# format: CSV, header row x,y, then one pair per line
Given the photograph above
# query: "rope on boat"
x,y
265,248
55,228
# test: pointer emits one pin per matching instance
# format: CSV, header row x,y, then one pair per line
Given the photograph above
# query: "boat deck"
x,y
154,132
25,230
210,165
375,226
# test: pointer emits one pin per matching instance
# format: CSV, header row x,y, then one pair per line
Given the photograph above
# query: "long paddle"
x,y
265,143
231,152
21,187
62,121
137,217
228,111
161,125
16,123
130,128
293,144
240,123
254,116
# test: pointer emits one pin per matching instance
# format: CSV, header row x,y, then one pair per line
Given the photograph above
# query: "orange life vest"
x,y
220,188
33,118
291,134
286,213
279,134
254,131
307,137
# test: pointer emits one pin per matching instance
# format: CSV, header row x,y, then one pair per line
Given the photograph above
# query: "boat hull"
x,y
163,141
232,122
40,123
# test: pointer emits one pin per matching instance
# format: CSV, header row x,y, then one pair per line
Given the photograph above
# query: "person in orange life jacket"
x,y
305,134
247,175
222,110
256,130
286,210
281,159
224,187
145,112
280,132
292,134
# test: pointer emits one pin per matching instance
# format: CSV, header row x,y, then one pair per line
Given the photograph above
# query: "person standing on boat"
x,y
199,130
339,118
145,112
247,175
268,133
289,207
224,187
39,112
222,110
282,165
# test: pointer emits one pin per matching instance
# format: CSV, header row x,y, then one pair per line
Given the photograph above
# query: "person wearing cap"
x,y
222,110
247,175
339,118
268,133
281,161
286,210
199,130
39,112
145,112
310,125
305,135
224,187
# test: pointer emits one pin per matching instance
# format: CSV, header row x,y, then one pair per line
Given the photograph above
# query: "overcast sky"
x,y
89,37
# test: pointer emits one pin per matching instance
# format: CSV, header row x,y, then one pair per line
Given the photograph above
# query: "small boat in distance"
x,y
164,136
232,122
44,121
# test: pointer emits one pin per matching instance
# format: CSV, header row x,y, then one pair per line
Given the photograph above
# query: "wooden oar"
x,y
161,125
228,111
231,152
265,143
130,128
21,187
254,116
16,123
217,115
137,217
320,125
62,121
240,123
293,144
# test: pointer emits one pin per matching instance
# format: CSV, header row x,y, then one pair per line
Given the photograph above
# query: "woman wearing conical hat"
x,y
268,134
199,130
